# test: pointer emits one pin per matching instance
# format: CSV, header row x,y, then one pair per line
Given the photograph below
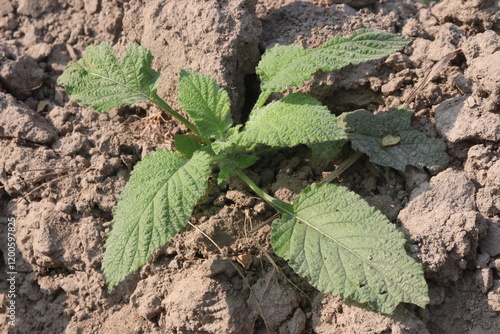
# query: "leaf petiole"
x,y
160,103
280,206
263,97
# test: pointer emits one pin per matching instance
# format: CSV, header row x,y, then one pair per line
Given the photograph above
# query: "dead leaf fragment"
x,y
42,105
434,71
245,260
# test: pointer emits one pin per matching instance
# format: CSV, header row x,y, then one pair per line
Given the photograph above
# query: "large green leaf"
x,y
103,82
155,205
206,103
291,65
345,247
388,139
296,119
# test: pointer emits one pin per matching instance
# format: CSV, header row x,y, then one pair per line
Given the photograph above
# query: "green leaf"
x,y
345,247
234,130
221,146
327,150
229,166
206,103
243,161
103,82
291,65
186,145
388,139
155,205
296,119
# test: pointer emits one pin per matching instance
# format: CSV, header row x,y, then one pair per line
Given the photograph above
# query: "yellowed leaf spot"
x,y
390,140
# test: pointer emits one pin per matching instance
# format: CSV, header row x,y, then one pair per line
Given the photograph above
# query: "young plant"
x,y
329,234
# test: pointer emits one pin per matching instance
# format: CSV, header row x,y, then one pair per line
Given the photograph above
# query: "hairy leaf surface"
x,y
186,145
327,150
388,139
345,247
103,82
206,103
155,205
296,119
291,65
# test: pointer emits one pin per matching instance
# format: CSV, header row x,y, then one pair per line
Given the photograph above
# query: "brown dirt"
x,y
62,167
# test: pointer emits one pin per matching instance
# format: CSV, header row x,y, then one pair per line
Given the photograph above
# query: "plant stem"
x,y
166,107
269,199
261,100
280,206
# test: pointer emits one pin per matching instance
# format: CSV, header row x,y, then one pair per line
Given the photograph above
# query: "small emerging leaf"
x,y
388,139
291,65
229,167
206,103
103,82
234,130
155,205
296,119
345,247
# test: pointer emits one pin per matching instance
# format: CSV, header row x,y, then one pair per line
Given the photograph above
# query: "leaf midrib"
x,y
292,214
114,81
